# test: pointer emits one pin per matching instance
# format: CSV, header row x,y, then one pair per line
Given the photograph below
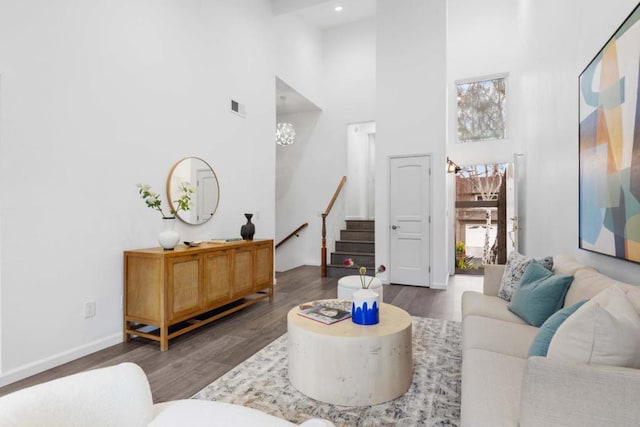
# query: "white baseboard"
x,y
33,368
440,286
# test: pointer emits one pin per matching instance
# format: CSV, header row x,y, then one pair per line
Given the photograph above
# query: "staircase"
x,y
358,243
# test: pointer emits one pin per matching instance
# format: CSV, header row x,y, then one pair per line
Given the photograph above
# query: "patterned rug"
x,y
261,382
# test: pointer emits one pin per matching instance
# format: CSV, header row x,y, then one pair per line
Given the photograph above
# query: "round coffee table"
x,y
349,364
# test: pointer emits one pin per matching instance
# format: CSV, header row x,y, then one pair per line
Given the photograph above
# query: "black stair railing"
x,y
292,234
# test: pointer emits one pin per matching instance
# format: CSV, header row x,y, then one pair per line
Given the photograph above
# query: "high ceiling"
x,y
322,12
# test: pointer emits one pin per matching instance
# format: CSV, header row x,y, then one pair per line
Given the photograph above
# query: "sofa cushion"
x,y
566,394
605,330
113,396
540,344
566,265
202,413
475,303
513,271
483,333
539,294
491,384
491,277
588,282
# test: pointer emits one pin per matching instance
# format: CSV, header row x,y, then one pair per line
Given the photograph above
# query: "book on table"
x,y
325,313
226,240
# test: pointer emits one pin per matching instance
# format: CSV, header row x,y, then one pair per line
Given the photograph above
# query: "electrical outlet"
x,y
89,309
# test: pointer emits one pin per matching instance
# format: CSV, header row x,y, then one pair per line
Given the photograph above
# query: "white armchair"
x,y
119,396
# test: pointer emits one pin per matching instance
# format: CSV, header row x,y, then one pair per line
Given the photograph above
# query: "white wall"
x,y
310,170
299,62
543,45
299,52
96,97
361,170
293,201
559,40
482,40
411,71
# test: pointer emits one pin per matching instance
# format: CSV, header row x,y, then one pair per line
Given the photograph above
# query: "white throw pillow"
x,y
604,331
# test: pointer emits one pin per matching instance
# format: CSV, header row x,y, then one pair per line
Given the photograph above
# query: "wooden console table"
x,y
189,287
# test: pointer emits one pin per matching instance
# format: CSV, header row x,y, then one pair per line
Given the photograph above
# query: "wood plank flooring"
x,y
196,359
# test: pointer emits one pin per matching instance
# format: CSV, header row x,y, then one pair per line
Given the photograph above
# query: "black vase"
x,y
249,229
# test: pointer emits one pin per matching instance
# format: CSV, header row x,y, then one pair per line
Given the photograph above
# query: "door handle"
x,y
394,227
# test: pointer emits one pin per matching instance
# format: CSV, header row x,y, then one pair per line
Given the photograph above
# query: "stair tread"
x,y
360,223
359,245
353,253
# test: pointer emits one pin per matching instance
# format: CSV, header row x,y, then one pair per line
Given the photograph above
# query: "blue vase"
x,y
365,308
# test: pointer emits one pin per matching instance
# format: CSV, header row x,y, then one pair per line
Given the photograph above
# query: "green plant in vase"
x,y
153,200
168,238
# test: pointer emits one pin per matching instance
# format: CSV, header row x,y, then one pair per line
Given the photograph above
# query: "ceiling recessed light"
x,y
338,8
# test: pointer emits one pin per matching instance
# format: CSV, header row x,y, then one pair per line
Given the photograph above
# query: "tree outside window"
x,y
481,109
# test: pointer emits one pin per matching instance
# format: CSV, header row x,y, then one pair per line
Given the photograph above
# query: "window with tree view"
x,y
481,109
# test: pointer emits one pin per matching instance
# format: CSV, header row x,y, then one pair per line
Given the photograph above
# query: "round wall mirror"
x,y
200,176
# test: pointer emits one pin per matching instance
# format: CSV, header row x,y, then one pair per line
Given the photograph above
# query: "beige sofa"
x,y
501,386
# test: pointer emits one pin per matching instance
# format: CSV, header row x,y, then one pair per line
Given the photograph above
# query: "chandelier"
x,y
285,134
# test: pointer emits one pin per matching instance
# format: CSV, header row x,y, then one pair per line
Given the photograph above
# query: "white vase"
x,y
365,309
168,237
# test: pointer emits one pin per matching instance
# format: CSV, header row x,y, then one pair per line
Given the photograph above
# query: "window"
x,y
481,109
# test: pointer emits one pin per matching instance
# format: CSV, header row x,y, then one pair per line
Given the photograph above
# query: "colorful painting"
x,y
610,146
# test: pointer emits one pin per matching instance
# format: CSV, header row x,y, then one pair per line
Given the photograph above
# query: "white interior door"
x,y
409,240
207,194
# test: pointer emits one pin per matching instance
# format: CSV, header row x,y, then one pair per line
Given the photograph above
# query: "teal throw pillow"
x,y
540,344
539,294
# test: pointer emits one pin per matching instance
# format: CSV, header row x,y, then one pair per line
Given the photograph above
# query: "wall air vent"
x,y
238,108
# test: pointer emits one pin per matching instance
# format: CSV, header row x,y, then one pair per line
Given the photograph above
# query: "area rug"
x,y
262,382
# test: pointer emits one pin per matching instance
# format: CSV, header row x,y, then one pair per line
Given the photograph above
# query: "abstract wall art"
x,y
609,146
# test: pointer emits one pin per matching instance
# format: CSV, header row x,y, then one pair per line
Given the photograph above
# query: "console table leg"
x,y
125,338
164,338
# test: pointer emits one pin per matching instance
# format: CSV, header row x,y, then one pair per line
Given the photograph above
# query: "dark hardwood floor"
x,y
196,359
